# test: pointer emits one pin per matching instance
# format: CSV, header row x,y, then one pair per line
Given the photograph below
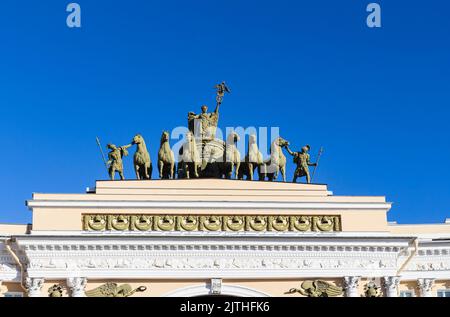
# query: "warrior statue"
x,y
115,162
302,159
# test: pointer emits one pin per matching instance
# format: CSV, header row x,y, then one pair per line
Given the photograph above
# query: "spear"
x,y
101,151
317,162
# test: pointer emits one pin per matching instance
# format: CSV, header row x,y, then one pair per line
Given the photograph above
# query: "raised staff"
x,y
317,162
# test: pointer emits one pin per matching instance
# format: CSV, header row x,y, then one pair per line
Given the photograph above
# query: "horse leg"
x,y
230,170
146,171
283,173
196,170
172,166
250,171
186,170
275,174
161,168
136,169
261,173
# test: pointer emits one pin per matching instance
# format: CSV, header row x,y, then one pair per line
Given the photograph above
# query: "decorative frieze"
x,y
210,262
258,223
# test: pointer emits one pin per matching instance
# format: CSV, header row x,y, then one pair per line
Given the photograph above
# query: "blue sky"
x,y
377,100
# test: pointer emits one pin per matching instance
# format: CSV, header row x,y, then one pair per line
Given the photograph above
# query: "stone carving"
x,y
282,223
390,285
77,286
114,290
216,286
166,159
253,160
372,290
232,157
302,159
276,163
351,284
142,162
425,286
55,290
115,162
212,262
438,265
34,286
317,288
8,268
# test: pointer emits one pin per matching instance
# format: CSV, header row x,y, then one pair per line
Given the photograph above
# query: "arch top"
x,y
205,290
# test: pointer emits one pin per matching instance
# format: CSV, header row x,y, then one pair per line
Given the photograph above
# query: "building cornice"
x,y
263,205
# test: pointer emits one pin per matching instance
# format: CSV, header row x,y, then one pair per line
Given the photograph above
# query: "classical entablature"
x,y
191,236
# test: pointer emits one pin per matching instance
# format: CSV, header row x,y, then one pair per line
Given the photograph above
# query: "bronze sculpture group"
x,y
203,155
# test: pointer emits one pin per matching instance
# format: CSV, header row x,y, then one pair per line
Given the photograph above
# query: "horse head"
x,y
138,139
232,138
164,137
281,142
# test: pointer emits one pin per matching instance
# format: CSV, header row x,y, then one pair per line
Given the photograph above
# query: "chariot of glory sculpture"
x,y
204,155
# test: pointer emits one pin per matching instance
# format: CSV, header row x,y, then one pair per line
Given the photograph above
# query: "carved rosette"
x,y
34,286
256,223
351,284
390,285
77,286
425,286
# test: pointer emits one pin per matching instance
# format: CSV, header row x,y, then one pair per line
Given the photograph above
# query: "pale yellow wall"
x,y
155,288
272,287
49,283
277,287
420,228
409,286
71,219
11,287
205,190
8,229
440,285
158,288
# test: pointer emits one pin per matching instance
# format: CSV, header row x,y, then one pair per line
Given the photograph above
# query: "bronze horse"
x,y
271,168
